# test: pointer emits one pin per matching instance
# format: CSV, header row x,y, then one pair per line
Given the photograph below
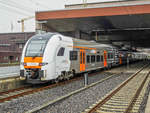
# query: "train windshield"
x,y
35,48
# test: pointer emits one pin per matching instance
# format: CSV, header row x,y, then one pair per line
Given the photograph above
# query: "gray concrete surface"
x,y
9,71
147,110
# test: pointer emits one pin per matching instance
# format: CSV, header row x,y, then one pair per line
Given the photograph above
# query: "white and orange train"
x,y
52,56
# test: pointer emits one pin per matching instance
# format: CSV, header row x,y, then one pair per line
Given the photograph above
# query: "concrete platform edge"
x,y
147,109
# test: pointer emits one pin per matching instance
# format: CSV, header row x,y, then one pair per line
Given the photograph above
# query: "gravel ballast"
x,y
81,101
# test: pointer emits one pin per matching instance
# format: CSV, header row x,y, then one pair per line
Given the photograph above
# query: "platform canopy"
x,y
123,18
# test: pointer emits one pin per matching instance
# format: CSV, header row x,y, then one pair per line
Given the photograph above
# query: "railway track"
x,y
30,89
57,100
19,92
126,98
16,93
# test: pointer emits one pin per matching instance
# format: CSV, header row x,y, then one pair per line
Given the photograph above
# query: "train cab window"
x,y
93,58
102,58
98,58
61,51
88,59
73,55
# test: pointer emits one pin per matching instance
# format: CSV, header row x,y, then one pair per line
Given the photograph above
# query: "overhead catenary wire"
x,y
16,7
12,9
20,5
22,8
4,12
40,4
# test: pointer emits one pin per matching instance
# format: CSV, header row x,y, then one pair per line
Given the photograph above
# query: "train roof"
x,y
79,42
92,44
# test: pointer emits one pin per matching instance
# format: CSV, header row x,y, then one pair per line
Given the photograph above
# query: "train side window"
x,y
109,55
102,58
112,56
93,58
98,58
83,58
88,59
73,55
61,51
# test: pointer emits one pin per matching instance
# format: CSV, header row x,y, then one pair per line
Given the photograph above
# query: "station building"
x,y
123,23
11,45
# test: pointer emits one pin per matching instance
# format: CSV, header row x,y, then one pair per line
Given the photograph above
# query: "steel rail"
x,y
13,90
72,93
108,96
136,95
67,95
23,93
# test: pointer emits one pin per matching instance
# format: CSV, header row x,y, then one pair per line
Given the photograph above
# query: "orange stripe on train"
x,y
32,67
33,60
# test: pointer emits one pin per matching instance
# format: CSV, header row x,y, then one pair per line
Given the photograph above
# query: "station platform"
x,y
9,71
11,82
9,78
147,109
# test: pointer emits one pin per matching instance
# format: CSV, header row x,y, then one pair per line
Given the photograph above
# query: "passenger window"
x,y
98,58
73,55
80,57
93,58
112,56
61,51
88,59
109,56
83,58
102,58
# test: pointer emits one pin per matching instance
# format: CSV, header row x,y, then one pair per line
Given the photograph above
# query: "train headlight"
x,y
43,64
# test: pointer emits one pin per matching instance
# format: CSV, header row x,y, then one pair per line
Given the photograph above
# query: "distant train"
x,y
52,56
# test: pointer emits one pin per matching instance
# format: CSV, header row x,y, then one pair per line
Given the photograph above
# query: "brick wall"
x,y
11,45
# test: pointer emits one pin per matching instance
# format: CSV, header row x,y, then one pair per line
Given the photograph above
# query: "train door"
x,y
82,60
105,58
120,59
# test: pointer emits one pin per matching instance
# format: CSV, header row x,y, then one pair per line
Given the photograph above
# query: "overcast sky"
x,y
13,10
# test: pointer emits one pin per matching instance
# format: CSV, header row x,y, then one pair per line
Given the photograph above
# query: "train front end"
x,y
33,62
